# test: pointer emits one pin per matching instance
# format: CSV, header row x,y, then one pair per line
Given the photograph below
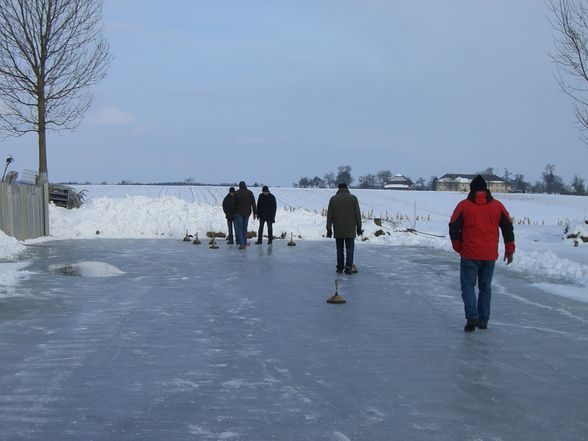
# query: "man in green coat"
x,y
344,218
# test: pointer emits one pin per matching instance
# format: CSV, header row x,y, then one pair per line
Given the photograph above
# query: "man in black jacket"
x,y
229,209
266,212
244,206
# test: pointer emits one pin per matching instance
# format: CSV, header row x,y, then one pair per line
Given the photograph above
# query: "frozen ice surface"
x,y
198,344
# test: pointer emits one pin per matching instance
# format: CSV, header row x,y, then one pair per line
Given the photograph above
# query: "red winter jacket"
x,y
473,228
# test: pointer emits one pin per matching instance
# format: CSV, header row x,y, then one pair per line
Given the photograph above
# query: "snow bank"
x,y
10,248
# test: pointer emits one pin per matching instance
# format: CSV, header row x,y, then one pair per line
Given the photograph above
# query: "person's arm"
x,y
358,218
274,208
456,227
330,219
253,207
507,229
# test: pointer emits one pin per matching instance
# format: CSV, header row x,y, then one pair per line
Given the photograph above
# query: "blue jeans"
x,y
349,247
480,271
241,223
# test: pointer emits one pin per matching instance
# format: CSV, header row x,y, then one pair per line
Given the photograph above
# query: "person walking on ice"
x,y
344,219
473,230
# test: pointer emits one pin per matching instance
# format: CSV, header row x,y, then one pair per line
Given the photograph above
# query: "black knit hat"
x,y
264,188
232,190
478,184
242,184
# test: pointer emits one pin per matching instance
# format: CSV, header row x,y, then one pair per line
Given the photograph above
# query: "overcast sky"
x,y
273,90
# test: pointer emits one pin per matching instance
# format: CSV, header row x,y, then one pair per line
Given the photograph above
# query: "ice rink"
x,y
191,343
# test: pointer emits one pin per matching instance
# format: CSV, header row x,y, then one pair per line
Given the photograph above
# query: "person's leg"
x,y
230,227
260,231
485,287
270,232
340,255
245,224
349,249
239,229
468,274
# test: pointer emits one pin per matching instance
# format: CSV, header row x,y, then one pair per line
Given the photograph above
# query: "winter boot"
x,y
470,325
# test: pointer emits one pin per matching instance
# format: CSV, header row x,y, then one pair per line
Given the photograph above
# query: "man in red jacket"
x,y
473,230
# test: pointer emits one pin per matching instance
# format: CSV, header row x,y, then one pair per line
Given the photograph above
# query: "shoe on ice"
x,y
339,270
470,325
258,242
482,325
347,270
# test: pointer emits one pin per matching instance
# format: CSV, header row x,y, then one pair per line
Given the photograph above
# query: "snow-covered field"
x,y
141,211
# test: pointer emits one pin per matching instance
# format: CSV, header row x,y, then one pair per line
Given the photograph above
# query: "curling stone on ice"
x,y
196,241
336,298
212,244
291,243
187,237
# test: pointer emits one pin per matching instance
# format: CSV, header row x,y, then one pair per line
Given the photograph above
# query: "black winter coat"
x,y
266,207
229,207
244,202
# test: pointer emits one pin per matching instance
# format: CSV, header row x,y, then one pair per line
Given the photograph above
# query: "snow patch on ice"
x,y
10,276
88,269
566,291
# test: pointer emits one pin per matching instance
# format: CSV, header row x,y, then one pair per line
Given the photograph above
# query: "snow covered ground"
x,y
141,211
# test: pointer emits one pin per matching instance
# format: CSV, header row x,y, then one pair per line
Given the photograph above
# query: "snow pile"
x,y
10,248
577,232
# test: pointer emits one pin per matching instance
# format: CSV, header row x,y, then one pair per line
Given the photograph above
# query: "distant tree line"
x,y
549,183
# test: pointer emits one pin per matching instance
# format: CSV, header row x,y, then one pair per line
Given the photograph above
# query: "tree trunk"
x,y
42,132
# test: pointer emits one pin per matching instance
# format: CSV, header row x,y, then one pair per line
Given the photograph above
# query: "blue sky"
x,y
272,90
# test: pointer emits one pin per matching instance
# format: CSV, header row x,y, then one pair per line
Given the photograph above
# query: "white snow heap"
x,y
577,231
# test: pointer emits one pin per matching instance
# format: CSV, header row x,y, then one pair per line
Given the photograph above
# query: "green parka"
x,y
343,215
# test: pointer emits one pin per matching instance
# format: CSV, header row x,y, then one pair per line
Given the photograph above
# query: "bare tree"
x,y
51,52
344,175
368,181
329,180
569,19
383,177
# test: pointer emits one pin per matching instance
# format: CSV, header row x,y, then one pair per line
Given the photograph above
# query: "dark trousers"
x,y
349,244
230,226
270,230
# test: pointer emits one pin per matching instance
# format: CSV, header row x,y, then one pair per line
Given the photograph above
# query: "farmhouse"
x,y
461,182
399,182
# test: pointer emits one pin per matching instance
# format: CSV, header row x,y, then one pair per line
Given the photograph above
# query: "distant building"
x,y
461,182
399,182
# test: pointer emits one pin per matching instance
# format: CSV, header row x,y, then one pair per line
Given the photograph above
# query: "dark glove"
x,y
329,233
359,231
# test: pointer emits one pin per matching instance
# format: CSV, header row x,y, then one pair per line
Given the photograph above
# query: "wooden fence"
x,y
24,210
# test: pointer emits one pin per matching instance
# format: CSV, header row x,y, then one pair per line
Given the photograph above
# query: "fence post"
x,y
45,201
